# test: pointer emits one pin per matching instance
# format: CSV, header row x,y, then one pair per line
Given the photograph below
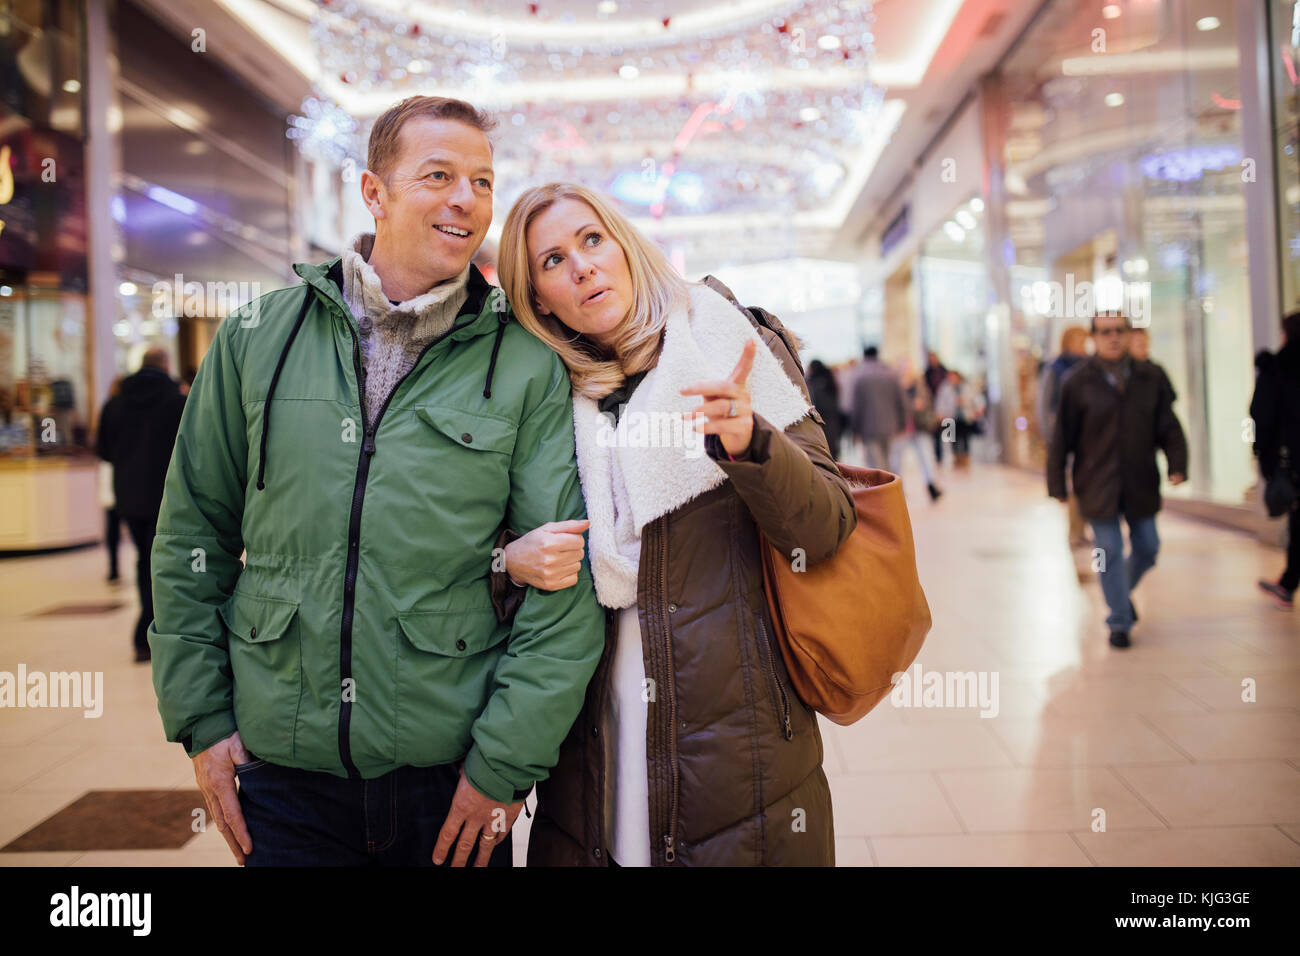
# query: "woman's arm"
x,y
789,480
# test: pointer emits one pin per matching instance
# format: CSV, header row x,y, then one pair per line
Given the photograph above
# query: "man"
x,y
1074,339
1114,414
877,410
137,429
366,436
1275,407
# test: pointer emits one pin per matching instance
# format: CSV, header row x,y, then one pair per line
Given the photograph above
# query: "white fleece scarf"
x,y
654,461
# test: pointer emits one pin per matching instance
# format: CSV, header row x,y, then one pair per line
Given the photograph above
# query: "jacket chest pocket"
x,y
466,451
469,431
266,663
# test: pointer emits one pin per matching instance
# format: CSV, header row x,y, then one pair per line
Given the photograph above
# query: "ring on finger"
x,y
731,409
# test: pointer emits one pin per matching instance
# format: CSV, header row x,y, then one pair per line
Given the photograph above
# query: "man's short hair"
x,y
386,135
1291,326
870,352
155,357
1113,314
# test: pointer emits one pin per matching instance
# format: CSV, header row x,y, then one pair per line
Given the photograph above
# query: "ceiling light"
x,y
128,288
72,86
954,231
831,42
965,218
977,204
628,71
1207,23
1114,99
415,66
6,291
810,114
606,7
1110,11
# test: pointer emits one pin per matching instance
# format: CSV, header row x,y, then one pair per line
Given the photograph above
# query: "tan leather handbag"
x,y
847,625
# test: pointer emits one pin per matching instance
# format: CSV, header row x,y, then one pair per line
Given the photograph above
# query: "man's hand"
x,y
214,769
549,556
475,818
1177,478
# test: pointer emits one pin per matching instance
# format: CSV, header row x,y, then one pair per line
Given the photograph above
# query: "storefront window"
x,y
1122,172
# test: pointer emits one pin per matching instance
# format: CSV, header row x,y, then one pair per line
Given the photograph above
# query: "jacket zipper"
x,y
369,430
670,838
776,680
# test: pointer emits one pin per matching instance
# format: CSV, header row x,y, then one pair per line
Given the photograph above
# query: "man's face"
x,y
1110,336
436,204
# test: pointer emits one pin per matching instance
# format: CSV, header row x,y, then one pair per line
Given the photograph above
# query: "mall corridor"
x,y
1156,737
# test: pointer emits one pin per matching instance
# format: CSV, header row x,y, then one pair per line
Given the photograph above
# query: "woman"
x,y
825,393
691,748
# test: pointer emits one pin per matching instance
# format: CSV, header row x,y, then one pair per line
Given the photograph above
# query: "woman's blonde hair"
x,y
656,290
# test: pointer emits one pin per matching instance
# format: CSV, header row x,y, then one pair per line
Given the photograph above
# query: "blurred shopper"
x,y
1074,349
692,748
959,410
935,375
365,435
108,502
1113,415
878,409
825,393
1275,407
918,419
137,430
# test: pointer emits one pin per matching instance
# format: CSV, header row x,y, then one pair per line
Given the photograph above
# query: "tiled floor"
x,y
1094,757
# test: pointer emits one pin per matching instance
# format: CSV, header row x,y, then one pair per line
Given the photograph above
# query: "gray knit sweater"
x,y
392,336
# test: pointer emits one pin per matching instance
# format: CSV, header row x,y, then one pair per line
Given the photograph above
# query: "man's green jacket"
x,y
359,635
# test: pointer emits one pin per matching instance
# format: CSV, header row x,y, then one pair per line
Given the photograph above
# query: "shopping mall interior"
x,y
967,178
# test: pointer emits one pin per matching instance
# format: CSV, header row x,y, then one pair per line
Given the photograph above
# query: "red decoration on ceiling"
x,y
666,21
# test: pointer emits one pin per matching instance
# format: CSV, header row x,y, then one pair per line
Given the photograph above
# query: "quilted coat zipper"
x,y
369,429
661,593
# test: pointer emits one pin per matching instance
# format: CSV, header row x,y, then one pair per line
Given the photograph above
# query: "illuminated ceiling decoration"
x,y
743,120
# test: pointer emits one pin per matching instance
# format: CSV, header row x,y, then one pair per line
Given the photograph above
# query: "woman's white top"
x,y
627,714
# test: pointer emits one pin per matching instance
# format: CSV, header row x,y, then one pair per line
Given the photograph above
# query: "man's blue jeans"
x,y
1120,576
305,818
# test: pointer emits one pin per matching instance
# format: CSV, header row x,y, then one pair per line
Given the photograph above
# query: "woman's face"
x,y
579,273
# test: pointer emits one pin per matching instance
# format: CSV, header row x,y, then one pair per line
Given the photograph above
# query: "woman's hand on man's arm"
x,y
549,556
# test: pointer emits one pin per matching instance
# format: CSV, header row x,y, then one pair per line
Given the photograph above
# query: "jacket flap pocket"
x,y
258,619
469,430
453,633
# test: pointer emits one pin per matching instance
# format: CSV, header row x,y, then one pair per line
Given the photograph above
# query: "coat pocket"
x,y
471,431
266,664
446,662
768,653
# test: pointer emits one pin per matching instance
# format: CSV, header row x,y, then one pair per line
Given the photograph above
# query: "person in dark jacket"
x,y
1275,407
137,430
1114,413
936,373
825,393
692,748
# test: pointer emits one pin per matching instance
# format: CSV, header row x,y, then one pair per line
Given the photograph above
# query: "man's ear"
x,y
374,194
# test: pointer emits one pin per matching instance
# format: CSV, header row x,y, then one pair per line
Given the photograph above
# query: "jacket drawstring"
x,y
275,378
496,347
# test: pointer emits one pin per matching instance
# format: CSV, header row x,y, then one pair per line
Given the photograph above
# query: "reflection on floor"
x,y
1095,756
